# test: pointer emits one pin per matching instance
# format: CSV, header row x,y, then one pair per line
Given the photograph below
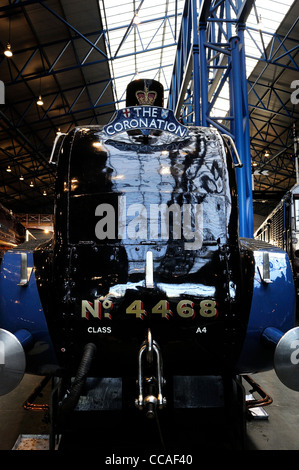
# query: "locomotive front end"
x,y
146,278
146,244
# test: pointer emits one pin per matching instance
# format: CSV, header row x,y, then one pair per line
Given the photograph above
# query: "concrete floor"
x,y
14,419
280,431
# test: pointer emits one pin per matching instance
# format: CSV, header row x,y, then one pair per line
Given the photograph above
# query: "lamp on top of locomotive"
x,y
145,92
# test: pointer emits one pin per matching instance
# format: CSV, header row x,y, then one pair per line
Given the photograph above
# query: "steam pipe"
x,y
70,402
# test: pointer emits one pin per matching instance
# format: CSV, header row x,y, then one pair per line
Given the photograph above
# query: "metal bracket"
x,y
264,272
25,271
149,270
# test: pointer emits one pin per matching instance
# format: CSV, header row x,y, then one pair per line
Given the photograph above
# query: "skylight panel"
x,y
148,49
142,50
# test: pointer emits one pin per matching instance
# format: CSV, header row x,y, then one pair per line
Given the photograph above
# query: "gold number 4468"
x,y
185,309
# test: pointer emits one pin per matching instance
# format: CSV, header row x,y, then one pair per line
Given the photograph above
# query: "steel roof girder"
x,y
71,27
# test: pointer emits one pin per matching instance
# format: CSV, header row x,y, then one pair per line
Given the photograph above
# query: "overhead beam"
x,y
72,28
245,10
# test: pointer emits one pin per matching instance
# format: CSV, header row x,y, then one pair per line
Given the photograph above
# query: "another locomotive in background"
x,y
281,229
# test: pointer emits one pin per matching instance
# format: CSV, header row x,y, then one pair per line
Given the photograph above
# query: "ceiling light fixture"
x,y
8,52
31,184
21,178
8,169
260,23
40,101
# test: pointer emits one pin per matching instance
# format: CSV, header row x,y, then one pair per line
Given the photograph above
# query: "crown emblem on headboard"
x,y
146,97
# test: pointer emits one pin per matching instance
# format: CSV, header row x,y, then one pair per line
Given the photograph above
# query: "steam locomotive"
x,y
146,297
280,228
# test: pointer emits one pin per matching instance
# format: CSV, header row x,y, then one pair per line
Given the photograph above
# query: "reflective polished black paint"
x,y
108,193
